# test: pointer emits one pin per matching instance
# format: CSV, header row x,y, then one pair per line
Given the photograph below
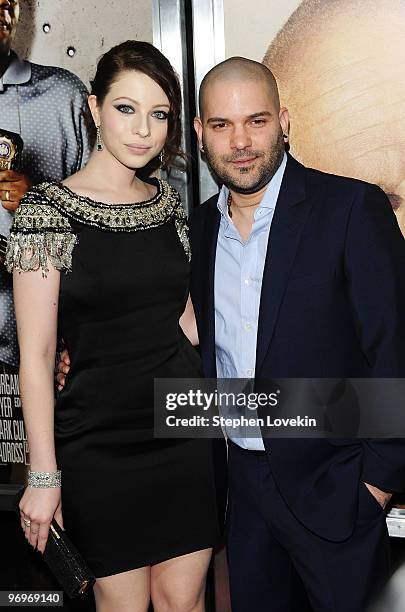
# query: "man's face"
x,y
241,133
9,14
346,100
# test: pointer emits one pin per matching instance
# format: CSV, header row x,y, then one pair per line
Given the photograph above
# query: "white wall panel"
x,y
91,27
249,26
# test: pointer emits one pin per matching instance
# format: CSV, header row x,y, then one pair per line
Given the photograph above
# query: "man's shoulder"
x,y
202,209
199,214
71,82
336,184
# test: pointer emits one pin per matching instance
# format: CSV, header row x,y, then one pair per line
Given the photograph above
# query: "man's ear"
x,y
284,118
199,131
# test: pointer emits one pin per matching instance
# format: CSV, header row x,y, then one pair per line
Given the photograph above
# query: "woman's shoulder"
x,y
178,214
38,194
37,211
172,198
168,190
40,233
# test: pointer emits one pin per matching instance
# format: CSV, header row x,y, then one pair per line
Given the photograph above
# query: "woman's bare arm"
x,y
36,306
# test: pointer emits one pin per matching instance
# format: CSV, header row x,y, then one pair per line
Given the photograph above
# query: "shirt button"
x,y
249,372
247,280
248,326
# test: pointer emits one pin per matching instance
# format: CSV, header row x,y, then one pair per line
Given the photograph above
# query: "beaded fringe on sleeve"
x,y
39,234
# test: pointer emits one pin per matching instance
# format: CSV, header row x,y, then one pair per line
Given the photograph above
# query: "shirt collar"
x,y
270,196
17,73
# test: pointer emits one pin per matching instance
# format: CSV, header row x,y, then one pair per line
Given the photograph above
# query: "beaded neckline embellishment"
x,y
42,230
115,217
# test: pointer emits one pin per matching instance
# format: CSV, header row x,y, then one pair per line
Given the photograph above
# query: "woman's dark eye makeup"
x,y
127,109
160,114
124,108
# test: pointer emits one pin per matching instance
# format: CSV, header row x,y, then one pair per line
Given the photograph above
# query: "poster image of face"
x,y
339,66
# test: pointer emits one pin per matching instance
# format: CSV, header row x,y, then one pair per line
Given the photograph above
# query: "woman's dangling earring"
x,y
99,143
162,158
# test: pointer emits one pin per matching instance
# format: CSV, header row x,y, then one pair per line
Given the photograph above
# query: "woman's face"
x,y
133,119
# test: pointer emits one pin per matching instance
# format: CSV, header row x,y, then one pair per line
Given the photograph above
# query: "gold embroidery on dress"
x,y
166,204
39,233
27,252
41,227
180,222
114,217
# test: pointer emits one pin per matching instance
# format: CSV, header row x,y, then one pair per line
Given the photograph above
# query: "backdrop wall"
x,y
90,27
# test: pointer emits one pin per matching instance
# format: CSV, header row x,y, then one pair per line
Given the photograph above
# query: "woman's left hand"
x,y
37,509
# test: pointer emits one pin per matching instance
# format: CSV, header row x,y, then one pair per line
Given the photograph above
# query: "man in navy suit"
x,y
296,273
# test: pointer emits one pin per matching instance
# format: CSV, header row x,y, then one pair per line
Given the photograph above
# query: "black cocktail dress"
x,y
128,499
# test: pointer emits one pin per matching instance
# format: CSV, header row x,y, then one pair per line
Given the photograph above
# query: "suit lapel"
x,y
211,229
285,233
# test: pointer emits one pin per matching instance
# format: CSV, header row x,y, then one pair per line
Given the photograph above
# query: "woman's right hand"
x,y
63,369
38,506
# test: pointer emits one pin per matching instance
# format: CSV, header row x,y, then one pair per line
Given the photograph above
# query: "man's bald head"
x,y
242,129
239,69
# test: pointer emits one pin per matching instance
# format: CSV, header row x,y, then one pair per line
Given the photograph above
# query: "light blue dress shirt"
x,y
238,282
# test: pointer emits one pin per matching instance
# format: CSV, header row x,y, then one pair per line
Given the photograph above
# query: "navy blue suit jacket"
x,y
332,305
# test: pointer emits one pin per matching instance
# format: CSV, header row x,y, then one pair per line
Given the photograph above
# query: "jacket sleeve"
x,y
375,268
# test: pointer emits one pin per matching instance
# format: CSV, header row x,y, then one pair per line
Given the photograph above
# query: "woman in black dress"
x,y
144,512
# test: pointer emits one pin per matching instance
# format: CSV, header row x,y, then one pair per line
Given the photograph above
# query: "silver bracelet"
x,y
44,480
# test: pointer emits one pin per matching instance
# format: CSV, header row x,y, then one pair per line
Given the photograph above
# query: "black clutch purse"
x,y
64,560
